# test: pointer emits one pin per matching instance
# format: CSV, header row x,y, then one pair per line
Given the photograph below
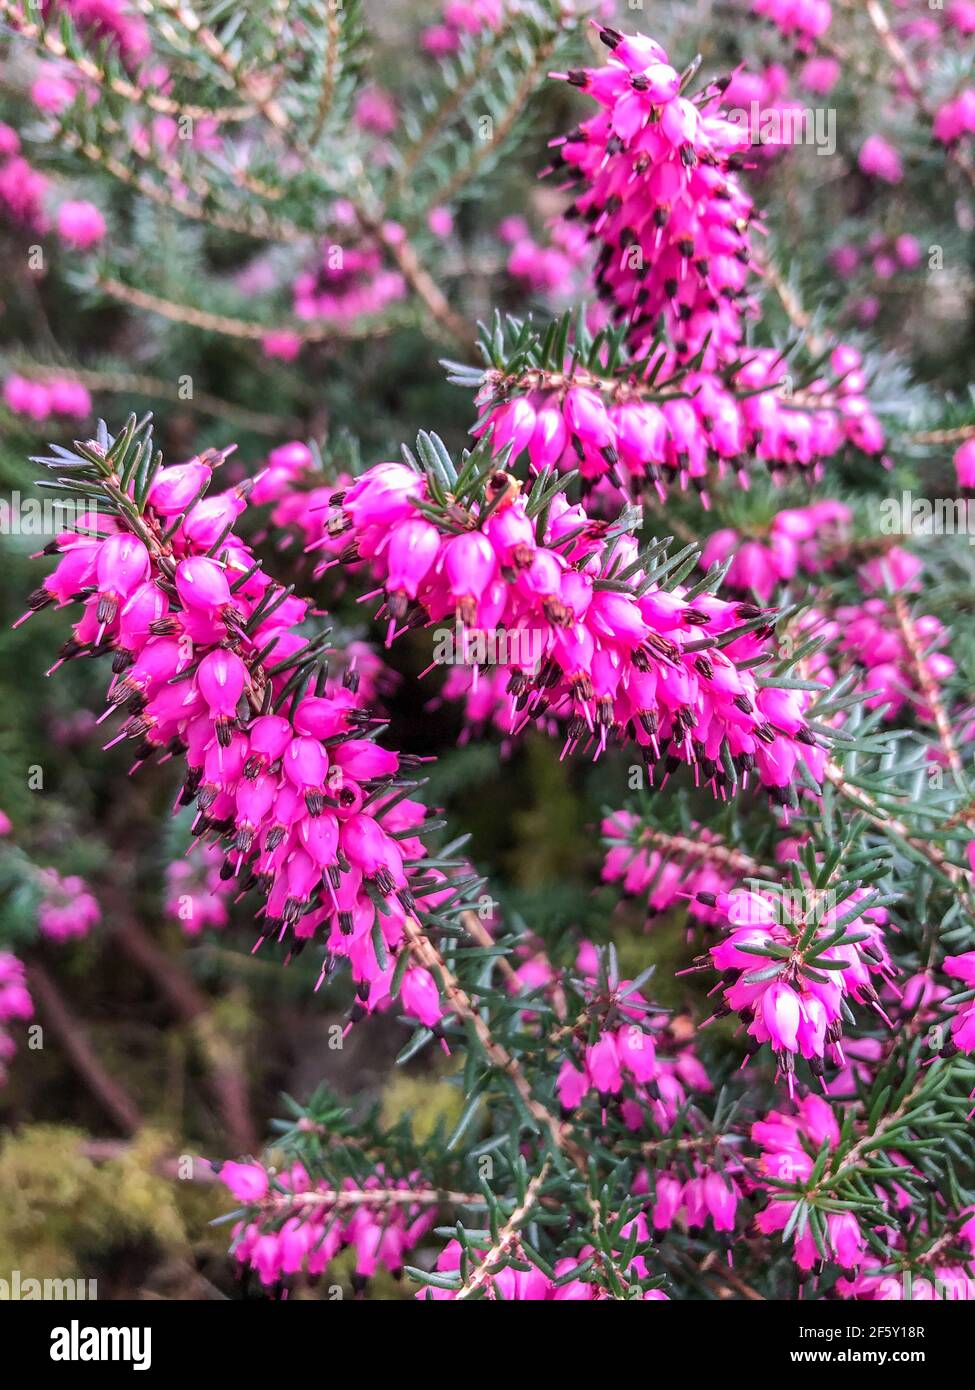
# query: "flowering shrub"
x,y
671,571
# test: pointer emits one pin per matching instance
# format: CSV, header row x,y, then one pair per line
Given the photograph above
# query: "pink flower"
x,y
965,464
880,160
420,996
281,344
247,1181
80,224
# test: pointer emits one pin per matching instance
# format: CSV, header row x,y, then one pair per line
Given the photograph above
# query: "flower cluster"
x,y
532,1286
375,1219
963,1023
869,633
657,192
621,660
461,17
956,117
39,400
80,224
884,255
550,269
791,961
634,1055
667,870
196,893
692,1201
299,497
658,195
801,21
24,192
349,283
637,435
799,539
788,1146
15,1004
23,189
108,21
209,664
67,908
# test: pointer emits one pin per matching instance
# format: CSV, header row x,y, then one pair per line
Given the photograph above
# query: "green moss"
x,y
67,1206
423,1102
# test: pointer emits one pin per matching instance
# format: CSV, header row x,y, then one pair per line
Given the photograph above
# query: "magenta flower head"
x,y
880,159
305,765
247,1181
420,997
174,488
123,563
469,564
965,464
220,679
202,585
80,224
413,548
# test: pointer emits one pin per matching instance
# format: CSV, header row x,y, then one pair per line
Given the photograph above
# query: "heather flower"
x,y
39,400
678,872
965,464
800,538
802,21
963,1023
347,284
789,1144
375,111
880,160
289,791
320,1222
196,893
657,192
15,1004
23,191
67,907
783,997
650,668
80,224
870,634
108,21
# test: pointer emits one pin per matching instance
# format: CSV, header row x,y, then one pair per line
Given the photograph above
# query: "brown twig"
x,y
507,1236
193,1007
885,821
123,383
225,324
928,687
373,1197
332,30
264,228
80,1053
422,283
427,955
713,850
200,36
952,436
